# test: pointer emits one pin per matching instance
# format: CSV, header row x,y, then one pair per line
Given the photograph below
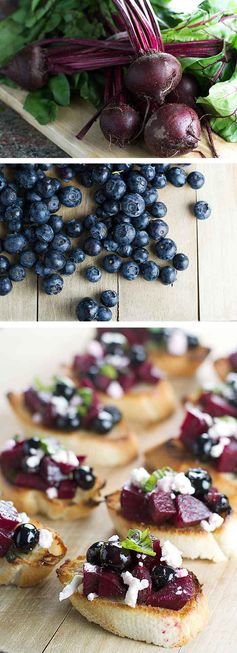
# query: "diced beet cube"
x,y
134,503
233,361
33,401
111,584
147,373
50,471
161,507
82,363
228,459
91,576
175,594
12,457
67,489
189,511
81,459
142,573
150,561
66,468
29,479
102,382
194,424
128,380
8,516
49,414
216,405
5,542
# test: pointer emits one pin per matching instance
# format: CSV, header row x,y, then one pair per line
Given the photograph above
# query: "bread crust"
x,y
175,366
193,542
159,626
33,501
222,367
173,454
116,448
144,406
34,567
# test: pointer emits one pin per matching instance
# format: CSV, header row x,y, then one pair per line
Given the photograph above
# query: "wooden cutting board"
x,y
33,620
71,119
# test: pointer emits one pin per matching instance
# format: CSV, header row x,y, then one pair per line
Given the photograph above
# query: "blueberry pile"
x,y
127,219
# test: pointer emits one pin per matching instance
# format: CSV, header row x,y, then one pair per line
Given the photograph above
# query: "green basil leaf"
x,y
154,477
139,541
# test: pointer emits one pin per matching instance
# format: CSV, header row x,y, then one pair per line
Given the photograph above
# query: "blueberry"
x,y
141,221
130,270
61,243
168,275
17,273
42,270
92,247
53,204
193,342
160,180
200,480
121,218
56,222
99,196
55,260
93,274
69,268
89,221
115,187
26,537
84,477
161,575
70,196
64,388
115,412
140,255
93,553
150,196
76,255
44,233
39,213
40,248
74,228
124,251
47,187
196,180
201,447
5,286
110,245
14,226
150,270
136,182
202,210
148,171
110,208
177,176
87,310
14,244
165,249
141,239
113,555
13,212
104,314
137,354
99,231
158,229
109,298
124,233
4,264
8,196
111,263
181,261
3,182
158,210
32,197
101,174
53,285
86,178
133,204
103,423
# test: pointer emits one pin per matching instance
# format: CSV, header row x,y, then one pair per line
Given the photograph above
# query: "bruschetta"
x,y
226,365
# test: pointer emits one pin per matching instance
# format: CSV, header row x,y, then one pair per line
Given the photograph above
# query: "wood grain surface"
x,y
33,620
206,291
71,119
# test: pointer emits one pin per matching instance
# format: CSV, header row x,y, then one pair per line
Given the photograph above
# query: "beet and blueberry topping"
x,y
43,464
175,341
114,366
17,535
178,499
136,571
65,407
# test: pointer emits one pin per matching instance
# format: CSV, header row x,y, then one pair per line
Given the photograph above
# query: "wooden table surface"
x,y
71,119
33,620
206,291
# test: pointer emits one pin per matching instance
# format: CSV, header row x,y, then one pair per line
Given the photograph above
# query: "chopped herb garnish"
x,y
139,541
109,371
41,387
156,476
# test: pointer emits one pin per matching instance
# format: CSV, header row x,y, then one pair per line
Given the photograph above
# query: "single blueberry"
x,y
87,309
53,285
109,298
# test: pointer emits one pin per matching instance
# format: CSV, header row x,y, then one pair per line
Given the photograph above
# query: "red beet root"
x,y
8,516
190,511
111,584
28,68
143,574
31,480
216,405
185,92
161,507
175,594
120,124
153,75
91,577
67,489
228,459
173,129
194,424
134,504
5,542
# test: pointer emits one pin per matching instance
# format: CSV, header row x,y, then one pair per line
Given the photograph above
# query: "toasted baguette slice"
x,y
173,454
144,623
33,501
193,542
118,447
30,569
222,367
143,406
175,366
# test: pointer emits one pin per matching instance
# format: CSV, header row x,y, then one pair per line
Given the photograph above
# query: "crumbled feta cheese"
x,y
45,538
23,517
139,476
66,457
9,444
171,555
182,484
199,413
45,396
89,567
114,538
33,461
95,349
165,484
177,344
214,522
36,417
72,587
222,428
115,390
134,586
181,573
92,596
118,362
61,405
52,492
217,449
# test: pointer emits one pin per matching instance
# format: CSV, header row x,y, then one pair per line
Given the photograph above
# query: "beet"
x,y
91,577
7,7
153,75
134,504
194,424
216,405
67,489
174,129
5,542
111,584
161,507
28,68
185,92
8,516
233,361
190,511
228,459
142,573
174,594
120,124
